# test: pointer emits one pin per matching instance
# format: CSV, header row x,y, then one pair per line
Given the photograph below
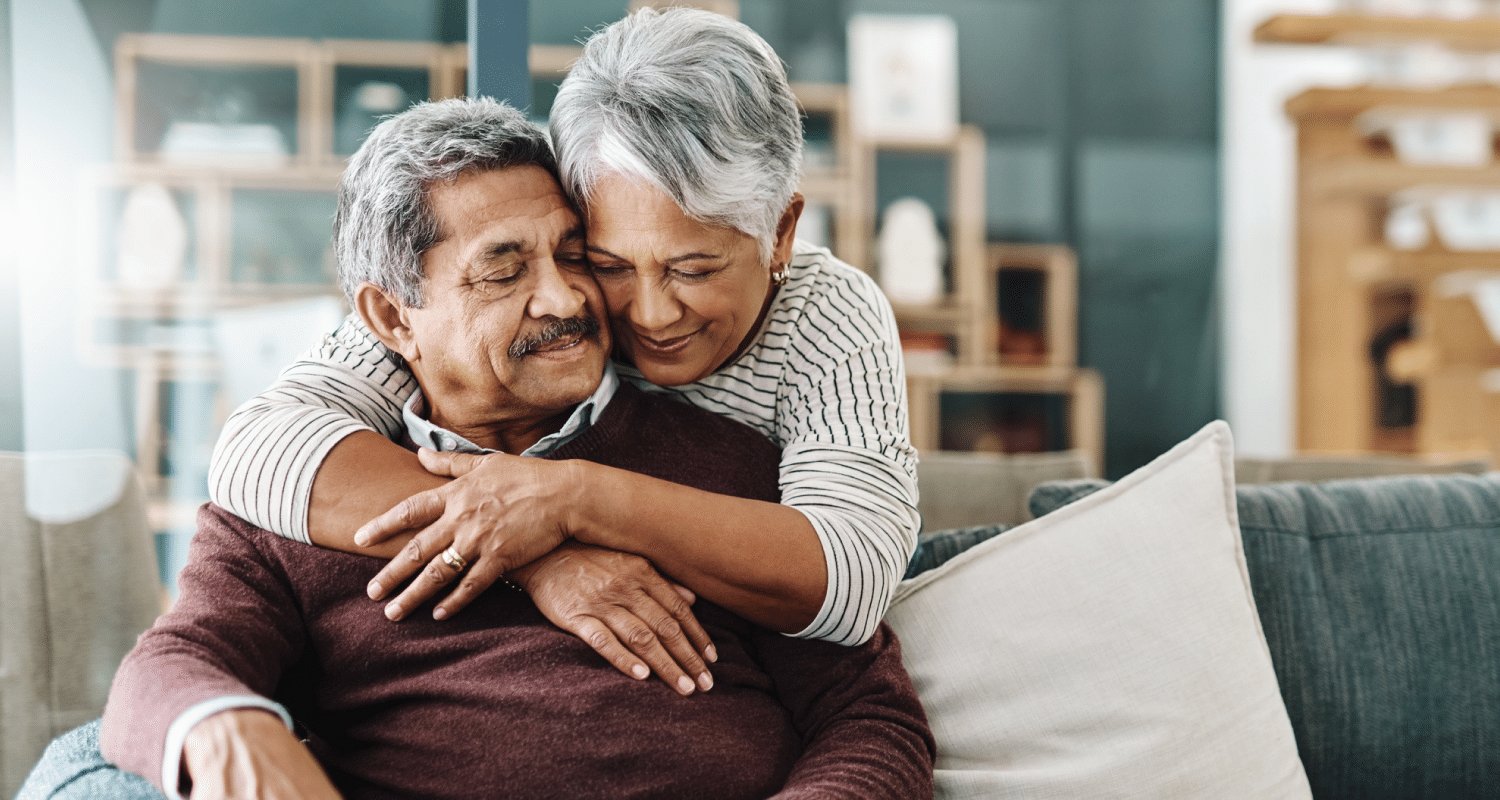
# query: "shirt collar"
x,y
425,434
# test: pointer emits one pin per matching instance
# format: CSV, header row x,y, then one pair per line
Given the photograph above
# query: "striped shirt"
x,y
823,380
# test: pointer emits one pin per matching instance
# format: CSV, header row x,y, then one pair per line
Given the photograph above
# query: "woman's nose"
x,y
655,307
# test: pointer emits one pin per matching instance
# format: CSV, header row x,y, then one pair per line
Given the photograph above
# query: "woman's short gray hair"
x,y
385,221
694,103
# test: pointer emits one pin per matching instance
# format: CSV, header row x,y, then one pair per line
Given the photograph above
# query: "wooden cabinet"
x,y
1373,318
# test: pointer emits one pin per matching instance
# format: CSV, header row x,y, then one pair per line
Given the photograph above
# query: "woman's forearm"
x,y
364,475
760,560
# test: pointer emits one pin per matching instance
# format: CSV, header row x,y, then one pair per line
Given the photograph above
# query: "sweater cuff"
x,y
171,762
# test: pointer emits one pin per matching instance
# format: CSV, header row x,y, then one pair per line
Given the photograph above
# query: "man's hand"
x,y
501,513
249,753
622,607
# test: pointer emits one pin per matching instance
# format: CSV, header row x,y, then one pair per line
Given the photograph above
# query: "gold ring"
x,y
454,560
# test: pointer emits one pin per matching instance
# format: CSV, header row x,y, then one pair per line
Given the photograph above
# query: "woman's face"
x,y
682,296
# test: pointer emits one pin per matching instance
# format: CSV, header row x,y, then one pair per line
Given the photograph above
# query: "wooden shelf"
x,y
946,312
1350,102
1363,177
1476,34
1084,389
1354,290
1377,265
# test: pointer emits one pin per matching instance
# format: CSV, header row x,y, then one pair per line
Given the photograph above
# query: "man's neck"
x,y
512,436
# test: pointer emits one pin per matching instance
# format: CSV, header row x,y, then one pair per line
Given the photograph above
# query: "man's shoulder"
x,y
222,535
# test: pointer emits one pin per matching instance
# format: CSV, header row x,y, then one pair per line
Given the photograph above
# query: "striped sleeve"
x,y
847,460
272,446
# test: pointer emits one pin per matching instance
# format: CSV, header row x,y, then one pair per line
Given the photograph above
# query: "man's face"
x,y
512,329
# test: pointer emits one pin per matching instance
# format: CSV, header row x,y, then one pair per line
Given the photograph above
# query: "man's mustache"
x,y
551,332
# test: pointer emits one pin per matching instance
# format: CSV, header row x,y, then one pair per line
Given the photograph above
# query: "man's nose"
x,y
655,307
555,296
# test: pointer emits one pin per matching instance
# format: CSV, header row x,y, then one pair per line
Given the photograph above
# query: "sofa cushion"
x,y
1111,649
72,767
1380,601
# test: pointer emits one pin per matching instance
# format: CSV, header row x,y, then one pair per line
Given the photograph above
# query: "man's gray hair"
x,y
694,103
385,220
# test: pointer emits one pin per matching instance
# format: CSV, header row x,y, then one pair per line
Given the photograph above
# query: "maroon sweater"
x,y
497,701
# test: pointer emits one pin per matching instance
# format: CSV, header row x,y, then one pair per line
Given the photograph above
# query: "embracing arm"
x,y
847,478
273,446
847,460
758,559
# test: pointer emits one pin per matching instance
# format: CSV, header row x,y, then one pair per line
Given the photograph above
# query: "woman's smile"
x,y
663,347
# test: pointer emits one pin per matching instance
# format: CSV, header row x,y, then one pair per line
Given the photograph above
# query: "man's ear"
x,y
786,231
387,318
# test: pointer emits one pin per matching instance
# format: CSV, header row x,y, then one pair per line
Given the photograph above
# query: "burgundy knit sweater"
x,y
498,702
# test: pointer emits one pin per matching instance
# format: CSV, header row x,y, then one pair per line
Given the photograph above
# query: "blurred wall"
x,y
63,123
1259,218
10,329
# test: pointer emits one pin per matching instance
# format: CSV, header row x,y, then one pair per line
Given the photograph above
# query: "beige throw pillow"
x,y
1109,649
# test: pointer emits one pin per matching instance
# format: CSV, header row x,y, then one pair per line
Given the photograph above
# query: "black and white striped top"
x,y
824,380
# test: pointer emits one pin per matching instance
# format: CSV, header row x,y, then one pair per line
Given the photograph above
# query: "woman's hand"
x,y
623,608
501,512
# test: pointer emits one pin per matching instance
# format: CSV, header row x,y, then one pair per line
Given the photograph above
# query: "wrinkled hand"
x,y
249,753
500,513
622,607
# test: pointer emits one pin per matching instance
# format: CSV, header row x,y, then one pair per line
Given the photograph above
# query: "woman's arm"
x,y
847,460
312,459
760,560
274,446
617,602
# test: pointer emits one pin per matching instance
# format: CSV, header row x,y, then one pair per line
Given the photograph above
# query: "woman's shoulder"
x,y
824,294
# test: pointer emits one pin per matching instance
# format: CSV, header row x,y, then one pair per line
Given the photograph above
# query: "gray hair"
x,y
385,220
694,103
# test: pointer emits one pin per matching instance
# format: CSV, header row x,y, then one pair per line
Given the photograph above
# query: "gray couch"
x,y
1380,601
77,584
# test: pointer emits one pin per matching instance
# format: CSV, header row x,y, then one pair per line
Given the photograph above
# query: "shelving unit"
x,y
227,266
970,316
1476,34
308,73
1352,287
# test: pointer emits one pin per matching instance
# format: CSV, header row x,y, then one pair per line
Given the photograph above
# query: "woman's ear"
x,y
786,231
387,318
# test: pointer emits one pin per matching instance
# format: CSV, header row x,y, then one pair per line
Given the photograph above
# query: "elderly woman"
x,y
679,140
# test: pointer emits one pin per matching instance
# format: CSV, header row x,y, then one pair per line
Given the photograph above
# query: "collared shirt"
x,y
425,434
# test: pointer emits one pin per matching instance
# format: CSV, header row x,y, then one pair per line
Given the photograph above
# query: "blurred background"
x,y
1146,214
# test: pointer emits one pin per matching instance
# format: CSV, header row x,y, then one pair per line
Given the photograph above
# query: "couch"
x,y
1377,599
1338,640
77,584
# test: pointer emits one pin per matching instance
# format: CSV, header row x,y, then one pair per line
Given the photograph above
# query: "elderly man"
x,y
502,328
